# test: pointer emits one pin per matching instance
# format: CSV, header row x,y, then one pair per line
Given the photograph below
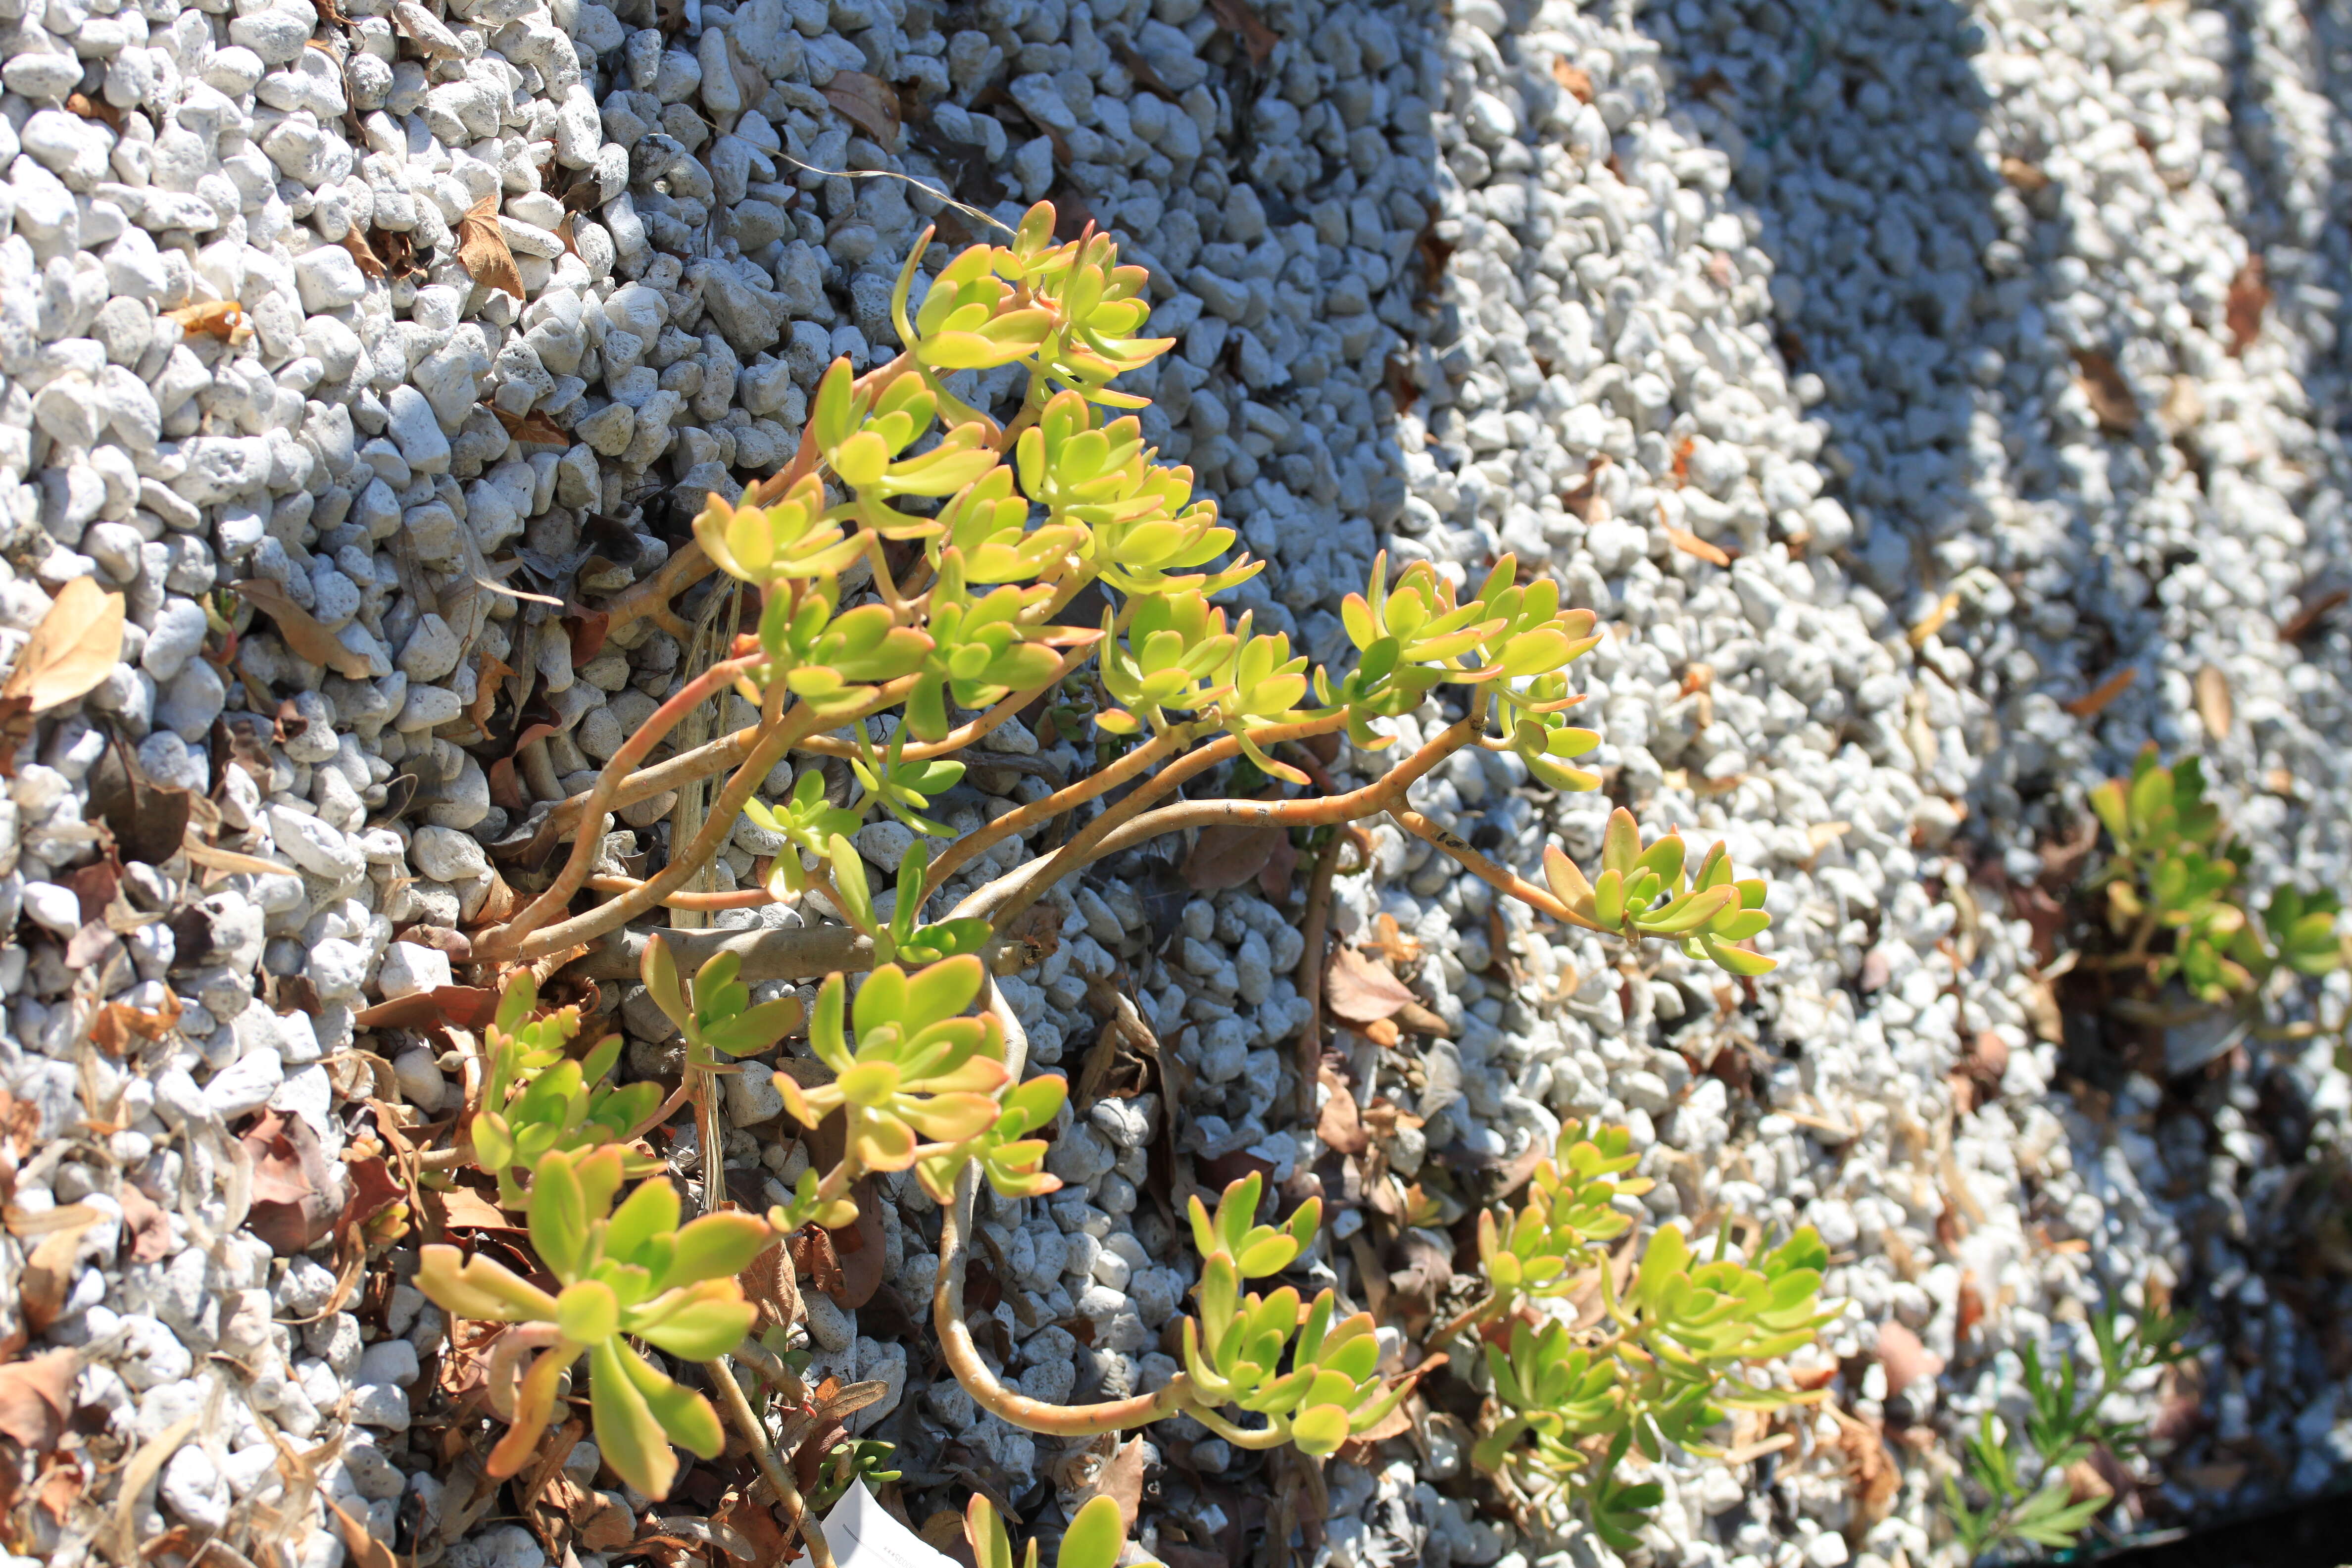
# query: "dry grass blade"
x,y
482,248
1934,620
301,630
2092,701
72,649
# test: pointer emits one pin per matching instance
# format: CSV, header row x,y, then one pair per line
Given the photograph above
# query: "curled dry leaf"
x,y
868,102
49,1271
301,629
1361,992
73,648
363,253
483,251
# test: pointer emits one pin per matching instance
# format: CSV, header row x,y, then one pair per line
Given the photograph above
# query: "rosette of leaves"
x,y
1096,1537
988,525
918,1073
1237,1350
980,648
2175,874
538,1100
714,1010
1174,646
808,823
864,433
792,537
903,788
1095,304
1558,1392
848,1462
900,936
1014,1162
1644,892
1570,1208
832,661
1144,533
630,1273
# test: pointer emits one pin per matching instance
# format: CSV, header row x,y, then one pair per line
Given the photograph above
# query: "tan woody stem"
x,y
597,811
1007,896
955,1338
1486,870
747,1421
1141,760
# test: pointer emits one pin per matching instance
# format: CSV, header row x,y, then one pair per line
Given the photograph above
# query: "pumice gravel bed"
x,y
1935,403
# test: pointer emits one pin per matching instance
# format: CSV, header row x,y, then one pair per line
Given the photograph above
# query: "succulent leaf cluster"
x,y
1570,1208
1662,1367
2176,874
1236,1349
1645,892
1096,1537
539,1100
626,1273
900,936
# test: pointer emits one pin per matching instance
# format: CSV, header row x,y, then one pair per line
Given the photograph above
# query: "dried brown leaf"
x,y
1904,1358
1242,17
299,1191
1690,543
2250,296
146,1233
363,1549
35,1398
812,1255
49,1271
533,428
1338,1124
1575,79
2026,177
73,648
1361,992
868,102
221,319
2106,391
482,248
1122,1480
363,253
2213,704
301,629
1228,855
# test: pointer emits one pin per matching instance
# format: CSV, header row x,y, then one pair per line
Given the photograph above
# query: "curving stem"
x,y
1485,870
955,1338
1272,1435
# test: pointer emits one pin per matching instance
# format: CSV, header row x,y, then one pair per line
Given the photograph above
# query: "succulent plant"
x,y
918,1073
2176,875
1643,892
537,1100
1569,1207
631,1273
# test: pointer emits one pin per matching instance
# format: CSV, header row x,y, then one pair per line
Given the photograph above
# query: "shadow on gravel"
x,y
2049,507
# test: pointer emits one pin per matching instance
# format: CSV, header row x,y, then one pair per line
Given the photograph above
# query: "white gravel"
x,y
1610,290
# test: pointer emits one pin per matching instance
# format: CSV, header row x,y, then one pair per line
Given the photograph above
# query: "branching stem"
x,y
747,1421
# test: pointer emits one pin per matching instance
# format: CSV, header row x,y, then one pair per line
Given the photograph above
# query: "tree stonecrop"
x,y
912,568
